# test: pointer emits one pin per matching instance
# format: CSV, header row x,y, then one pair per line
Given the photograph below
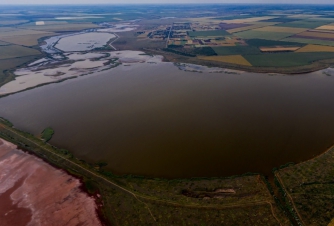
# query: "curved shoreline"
x,y
116,181
7,123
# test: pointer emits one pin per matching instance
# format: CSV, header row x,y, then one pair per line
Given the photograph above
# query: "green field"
x,y
303,24
286,59
281,19
310,41
208,33
236,50
251,34
12,51
264,42
205,51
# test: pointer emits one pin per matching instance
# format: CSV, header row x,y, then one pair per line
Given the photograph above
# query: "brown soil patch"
x,y
317,35
316,48
278,49
231,59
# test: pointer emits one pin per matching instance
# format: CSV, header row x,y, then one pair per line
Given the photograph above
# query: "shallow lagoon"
x,y
157,120
84,41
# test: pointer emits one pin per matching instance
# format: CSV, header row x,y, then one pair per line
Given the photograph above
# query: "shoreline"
x,y
84,171
165,59
126,175
175,58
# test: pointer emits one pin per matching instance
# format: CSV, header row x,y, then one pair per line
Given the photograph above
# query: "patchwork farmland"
x,y
269,41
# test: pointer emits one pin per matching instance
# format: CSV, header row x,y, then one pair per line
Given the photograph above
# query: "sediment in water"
x,y
43,195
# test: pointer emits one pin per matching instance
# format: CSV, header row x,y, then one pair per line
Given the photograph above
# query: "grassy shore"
x,y
309,189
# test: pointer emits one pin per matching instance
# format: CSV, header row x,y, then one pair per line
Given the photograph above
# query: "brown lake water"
x,y
156,120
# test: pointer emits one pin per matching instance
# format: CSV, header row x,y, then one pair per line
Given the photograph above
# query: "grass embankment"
x,y
131,200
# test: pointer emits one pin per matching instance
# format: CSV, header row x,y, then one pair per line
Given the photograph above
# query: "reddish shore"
x,y
35,193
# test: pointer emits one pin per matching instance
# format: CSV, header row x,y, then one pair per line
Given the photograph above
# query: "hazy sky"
x,y
161,1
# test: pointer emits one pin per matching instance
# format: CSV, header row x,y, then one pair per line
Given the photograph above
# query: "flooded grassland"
x,y
72,65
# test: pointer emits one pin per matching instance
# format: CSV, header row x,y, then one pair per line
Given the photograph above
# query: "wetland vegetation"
x,y
47,134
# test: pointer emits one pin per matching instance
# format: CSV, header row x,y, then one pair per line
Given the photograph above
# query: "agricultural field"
x,y
278,49
236,50
303,24
246,28
309,41
230,59
256,38
12,51
327,36
316,48
25,40
269,43
291,30
326,27
286,59
14,32
254,34
208,33
186,32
